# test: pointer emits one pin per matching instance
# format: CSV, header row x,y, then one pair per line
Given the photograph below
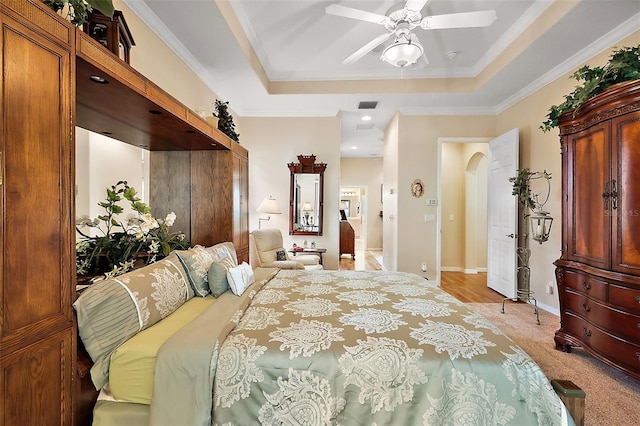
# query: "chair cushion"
x,y
306,259
285,264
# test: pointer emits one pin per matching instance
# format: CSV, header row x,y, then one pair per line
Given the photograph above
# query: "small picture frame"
x,y
417,188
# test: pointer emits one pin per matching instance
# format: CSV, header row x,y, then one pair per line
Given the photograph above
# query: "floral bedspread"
x,y
373,348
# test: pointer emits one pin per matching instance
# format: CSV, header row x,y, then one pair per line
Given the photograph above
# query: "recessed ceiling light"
x,y
354,147
98,79
366,117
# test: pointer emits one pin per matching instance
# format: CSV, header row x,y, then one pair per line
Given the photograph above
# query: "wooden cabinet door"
x,y
36,226
240,207
626,204
589,213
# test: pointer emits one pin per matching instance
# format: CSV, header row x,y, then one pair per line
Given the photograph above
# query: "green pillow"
x,y
217,278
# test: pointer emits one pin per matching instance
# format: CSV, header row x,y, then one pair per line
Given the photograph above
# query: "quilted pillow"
x,y
240,277
198,259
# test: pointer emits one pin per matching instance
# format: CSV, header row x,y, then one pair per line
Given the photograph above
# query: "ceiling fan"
x,y
406,49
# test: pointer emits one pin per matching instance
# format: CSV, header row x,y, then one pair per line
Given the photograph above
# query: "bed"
x,y
328,347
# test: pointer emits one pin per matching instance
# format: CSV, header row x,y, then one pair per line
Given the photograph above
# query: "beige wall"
x,y
417,158
390,173
151,57
366,172
475,213
463,206
274,142
452,203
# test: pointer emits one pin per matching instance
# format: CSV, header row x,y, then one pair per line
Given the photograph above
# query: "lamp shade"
x,y
269,205
306,207
404,51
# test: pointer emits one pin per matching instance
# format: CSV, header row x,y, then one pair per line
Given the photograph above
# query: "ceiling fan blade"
x,y
361,15
367,48
482,18
415,5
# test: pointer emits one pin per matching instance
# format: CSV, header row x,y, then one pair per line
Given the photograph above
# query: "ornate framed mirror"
x,y
306,196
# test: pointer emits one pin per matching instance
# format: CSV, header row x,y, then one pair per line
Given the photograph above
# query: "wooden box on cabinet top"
x,y
599,271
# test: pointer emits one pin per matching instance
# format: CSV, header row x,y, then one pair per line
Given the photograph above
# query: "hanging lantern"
x,y
540,226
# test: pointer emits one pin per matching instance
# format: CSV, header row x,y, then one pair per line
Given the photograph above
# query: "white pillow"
x,y
240,277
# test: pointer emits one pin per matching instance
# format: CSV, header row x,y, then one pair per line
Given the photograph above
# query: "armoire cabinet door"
x,y
36,224
589,211
241,207
626,171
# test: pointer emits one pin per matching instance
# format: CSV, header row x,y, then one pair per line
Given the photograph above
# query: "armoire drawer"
x,y
624,297
615,321
622,352
585,284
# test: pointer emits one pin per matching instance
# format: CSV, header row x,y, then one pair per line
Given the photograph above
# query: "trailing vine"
x,y
623,65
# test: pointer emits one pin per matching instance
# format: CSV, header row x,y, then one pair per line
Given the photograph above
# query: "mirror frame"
x,y
306,165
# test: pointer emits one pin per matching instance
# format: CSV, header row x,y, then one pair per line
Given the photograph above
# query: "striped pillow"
x,y
112,311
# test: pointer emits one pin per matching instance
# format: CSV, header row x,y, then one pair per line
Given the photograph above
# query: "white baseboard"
x,y
460,269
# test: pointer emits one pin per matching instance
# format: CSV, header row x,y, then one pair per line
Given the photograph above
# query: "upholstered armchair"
x,y
267,248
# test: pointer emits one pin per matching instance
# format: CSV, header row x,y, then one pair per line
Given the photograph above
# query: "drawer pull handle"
x,y
587,286
586,307
585,331
638,355
638,299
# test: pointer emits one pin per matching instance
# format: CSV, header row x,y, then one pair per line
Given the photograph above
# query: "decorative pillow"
x,y
113,310
217,279
281,255
198,259
222,251
240,277
107,317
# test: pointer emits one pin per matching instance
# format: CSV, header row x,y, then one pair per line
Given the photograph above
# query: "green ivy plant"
x,y
623,65
522,189
79,10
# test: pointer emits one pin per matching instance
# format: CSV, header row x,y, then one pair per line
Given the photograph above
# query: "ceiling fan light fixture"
x,y
405,50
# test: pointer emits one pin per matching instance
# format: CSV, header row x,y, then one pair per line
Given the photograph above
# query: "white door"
x,y
502,214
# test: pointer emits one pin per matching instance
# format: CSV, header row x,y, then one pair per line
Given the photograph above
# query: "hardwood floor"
x,y
365,261
468,288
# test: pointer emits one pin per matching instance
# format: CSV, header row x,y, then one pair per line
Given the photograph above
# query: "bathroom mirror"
x,y
306,196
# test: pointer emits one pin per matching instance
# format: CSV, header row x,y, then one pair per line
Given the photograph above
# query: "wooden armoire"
x,y
53,78
598,273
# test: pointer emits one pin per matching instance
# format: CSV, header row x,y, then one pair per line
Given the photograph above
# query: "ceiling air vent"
x,y
368,105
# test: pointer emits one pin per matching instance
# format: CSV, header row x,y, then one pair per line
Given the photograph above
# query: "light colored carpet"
x,y
612,397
